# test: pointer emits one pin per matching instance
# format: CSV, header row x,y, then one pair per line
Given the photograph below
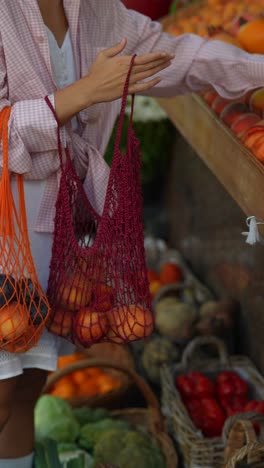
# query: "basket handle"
x,y
168,288
146,391
240,438
249,417
202,341
254,451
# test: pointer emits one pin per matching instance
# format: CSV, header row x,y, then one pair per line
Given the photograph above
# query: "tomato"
x,y
207,415
194,386
230,383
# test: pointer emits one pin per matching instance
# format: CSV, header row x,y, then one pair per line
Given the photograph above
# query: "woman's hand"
x,y
106,78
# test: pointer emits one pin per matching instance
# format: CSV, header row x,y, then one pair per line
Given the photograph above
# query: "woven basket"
x,y
198,451
243,449
119,354
149,419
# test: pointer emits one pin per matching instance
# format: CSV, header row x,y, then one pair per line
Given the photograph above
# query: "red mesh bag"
x,y
98,286
24,307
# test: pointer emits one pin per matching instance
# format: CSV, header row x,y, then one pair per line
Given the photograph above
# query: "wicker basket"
x,y
243,449
149,419
198,451
116,354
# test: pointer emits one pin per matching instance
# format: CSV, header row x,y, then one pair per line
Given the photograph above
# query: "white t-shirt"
x,y
63,63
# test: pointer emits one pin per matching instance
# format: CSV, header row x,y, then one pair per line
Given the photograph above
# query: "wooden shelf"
x,y
233,165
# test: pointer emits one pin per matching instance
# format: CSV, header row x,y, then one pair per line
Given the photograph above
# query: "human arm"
x,y
199,64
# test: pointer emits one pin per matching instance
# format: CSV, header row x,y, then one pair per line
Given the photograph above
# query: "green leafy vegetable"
x,y
87,415
92,432
127,449
55,419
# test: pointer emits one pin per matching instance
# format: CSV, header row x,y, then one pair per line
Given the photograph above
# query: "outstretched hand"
x,y
106,78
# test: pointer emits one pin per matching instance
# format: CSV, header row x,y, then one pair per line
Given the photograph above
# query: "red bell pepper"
x,y
195,386
207,415
230,383
233,404
255,406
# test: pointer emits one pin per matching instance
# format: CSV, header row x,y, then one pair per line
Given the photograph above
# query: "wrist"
x,y
86,92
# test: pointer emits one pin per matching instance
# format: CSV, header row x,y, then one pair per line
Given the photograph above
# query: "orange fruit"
x,y
90,326
154,287
75,292
64,389
251,36
152,276
130,323
102,297
14,321
60,322
79,377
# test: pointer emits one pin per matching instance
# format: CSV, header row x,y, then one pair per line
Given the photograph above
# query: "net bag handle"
x,y
120,123
60,149
123,107
6,216
8,212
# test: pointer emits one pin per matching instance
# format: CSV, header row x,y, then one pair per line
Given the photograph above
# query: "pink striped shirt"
x,y
26,77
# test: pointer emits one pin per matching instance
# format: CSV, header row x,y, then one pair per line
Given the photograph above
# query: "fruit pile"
x,y
210,403
83,383
244,117
237,23
21,308
228,15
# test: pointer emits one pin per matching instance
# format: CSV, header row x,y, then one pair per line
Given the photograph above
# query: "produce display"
x,y
239,23
89,438
210,402
84,383
184,308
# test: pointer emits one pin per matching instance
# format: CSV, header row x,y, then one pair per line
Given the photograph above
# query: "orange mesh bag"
x,y
24,307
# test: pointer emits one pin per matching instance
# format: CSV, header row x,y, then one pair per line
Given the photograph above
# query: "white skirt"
x,y
45,354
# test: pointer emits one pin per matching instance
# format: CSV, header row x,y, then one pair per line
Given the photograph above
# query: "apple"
x,y
90,326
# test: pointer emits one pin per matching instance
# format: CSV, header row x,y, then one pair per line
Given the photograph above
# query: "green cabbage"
x,y
55,419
